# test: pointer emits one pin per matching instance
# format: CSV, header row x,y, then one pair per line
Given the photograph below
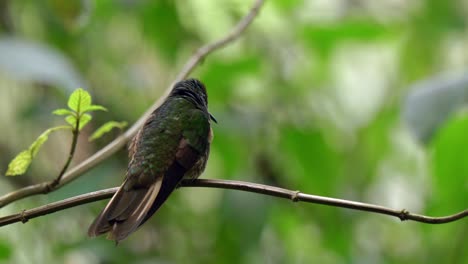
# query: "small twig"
x,y
202,52
76,132
120,142
294,196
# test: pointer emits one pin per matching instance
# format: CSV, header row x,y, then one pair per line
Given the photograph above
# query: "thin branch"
x,y
294,196
76,133
25,215
233,35
120,142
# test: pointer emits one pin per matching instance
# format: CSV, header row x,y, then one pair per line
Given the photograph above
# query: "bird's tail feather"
x,y
125,212
172,178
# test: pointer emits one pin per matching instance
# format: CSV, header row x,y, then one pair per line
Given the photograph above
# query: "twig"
x,y
294,196
233,35
76,132
120,142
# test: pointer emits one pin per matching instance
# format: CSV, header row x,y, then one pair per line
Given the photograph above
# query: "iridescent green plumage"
x,y
173,144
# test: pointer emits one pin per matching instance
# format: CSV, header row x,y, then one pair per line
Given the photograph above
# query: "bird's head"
x,y
194,91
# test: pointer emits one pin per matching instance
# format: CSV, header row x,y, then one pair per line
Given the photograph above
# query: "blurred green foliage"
x,y
309,99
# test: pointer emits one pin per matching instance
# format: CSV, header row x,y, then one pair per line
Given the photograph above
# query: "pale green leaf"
x,y
79,99
106,128
36,145
71,119
94,108
19,164
84,119
62,111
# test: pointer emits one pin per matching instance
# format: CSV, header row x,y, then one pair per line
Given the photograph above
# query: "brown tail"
x,y
125,211
128,209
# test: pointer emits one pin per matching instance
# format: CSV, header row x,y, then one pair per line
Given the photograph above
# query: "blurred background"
x,y
361,100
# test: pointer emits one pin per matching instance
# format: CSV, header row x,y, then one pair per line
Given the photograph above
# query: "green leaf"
x,y
36,145
79,99
84,119
62,111
94,108
106,128
71,119
19,164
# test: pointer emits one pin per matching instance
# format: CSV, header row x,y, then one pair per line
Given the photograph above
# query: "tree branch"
x,y
294,196
120,141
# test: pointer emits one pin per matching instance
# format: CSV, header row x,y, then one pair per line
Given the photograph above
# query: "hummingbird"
x,y
173,144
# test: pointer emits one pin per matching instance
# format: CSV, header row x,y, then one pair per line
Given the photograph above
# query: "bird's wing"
x,y
186,157
192,146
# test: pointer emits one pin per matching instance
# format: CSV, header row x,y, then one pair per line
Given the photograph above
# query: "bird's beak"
x,y
213,118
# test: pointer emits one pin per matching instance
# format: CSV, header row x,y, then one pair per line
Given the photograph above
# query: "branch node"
x,y
23,217
49,186
295,196
403,215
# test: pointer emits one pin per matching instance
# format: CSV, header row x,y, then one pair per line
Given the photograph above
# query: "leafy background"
x,y
360,100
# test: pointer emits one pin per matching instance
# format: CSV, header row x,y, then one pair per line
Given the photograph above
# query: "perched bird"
x,y
173,144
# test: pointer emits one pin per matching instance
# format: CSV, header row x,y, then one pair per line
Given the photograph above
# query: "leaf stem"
x,y
75,132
